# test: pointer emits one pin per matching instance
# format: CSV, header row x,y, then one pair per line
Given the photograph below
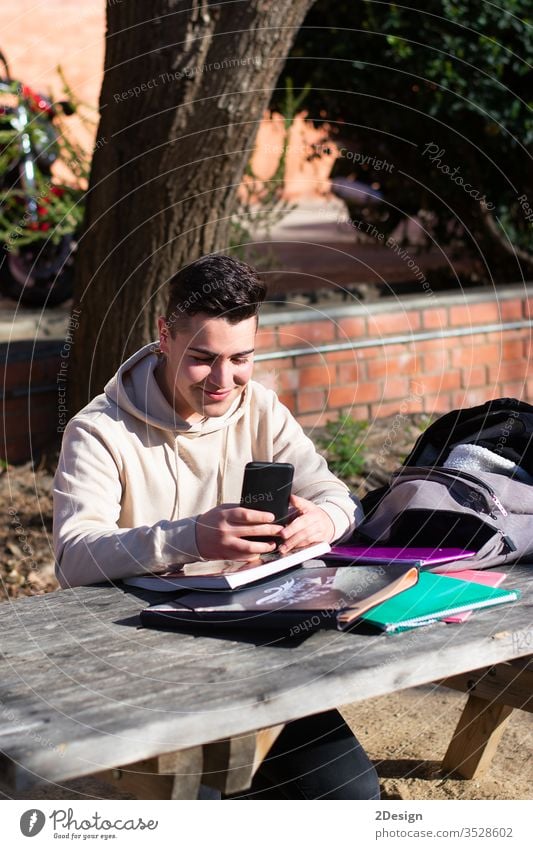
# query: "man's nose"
x,y
221,373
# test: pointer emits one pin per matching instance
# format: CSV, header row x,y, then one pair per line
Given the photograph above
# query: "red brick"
x,y
385,408
441,344
315,359
266,340
306,333
528,391
342,396
347,356
397,350
440,383
29,372
405,364
349,373
435,319
414,405
501,336
507,371
512,390
467,314
475,376
438,404
366,392
311,400
513,350
317,376
465,356
288,378
371,353
396,387
357,412
436,361
482,353
528,350
289,399
385,324
511,310
471,397
351,328
312,420
277,364
528,308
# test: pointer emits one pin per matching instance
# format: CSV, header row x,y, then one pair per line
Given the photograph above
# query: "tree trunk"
x,y
184,90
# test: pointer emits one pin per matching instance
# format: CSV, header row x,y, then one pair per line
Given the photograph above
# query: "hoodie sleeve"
x,y
312,478
89,545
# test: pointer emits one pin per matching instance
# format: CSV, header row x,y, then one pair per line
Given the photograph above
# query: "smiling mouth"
x,y
217,395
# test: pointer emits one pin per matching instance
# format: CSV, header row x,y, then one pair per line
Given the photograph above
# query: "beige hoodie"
x,y
133,476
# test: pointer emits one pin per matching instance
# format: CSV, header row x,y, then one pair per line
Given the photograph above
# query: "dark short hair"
x,y
216,285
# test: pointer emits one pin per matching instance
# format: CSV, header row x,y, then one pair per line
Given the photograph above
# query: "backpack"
x,y
467,483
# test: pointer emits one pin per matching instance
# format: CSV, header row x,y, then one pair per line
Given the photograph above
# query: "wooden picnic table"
x,y
84,690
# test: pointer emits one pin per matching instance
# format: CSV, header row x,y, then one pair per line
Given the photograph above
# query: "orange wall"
x,y
36,37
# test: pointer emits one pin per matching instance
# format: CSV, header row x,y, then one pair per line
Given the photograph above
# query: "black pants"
x,y
315,758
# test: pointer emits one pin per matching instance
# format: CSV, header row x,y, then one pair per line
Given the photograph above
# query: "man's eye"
x,y
240,360
200,360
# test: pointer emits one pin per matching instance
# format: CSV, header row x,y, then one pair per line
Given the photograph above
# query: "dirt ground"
x,y
406,734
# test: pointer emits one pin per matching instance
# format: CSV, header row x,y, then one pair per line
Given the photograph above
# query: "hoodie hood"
x,y
135,390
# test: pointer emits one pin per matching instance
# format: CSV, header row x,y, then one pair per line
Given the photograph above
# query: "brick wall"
x,y
29,394
419,354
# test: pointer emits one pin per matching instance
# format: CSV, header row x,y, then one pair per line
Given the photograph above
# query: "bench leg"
x,y
230,765
227,765
176,775
476,737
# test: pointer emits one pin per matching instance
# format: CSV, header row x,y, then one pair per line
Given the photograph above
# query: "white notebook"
x,y
226,574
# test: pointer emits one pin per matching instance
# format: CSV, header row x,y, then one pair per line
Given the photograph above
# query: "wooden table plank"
x,y
84,689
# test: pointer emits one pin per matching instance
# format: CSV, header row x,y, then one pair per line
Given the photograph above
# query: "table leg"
x,y
493,692
476,737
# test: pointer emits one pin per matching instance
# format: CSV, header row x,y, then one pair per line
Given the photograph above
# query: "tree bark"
x,y
184,90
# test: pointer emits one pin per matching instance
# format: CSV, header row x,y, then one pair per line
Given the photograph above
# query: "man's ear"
x,y
164,334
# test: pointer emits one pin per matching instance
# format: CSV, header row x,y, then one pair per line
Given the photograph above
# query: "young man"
x,y
150,472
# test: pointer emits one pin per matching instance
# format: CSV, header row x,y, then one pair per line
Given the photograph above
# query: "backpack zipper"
x,y
452,473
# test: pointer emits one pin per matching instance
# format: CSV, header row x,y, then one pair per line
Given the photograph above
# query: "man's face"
x,y
208,364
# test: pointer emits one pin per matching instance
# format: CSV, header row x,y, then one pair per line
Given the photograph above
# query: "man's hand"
x,y
220,532
312,524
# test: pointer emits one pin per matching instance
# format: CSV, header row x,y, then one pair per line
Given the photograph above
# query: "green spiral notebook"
x,y
433,597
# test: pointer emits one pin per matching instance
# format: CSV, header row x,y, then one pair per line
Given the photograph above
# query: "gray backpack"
x,y
467,483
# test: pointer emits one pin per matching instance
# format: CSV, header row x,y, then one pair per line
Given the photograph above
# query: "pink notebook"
x,y
395,554
490,579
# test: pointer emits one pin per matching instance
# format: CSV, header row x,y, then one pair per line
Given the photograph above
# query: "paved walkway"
x,y
313,250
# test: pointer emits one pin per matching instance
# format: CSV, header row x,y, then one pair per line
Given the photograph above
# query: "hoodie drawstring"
x,y
222,466
175,508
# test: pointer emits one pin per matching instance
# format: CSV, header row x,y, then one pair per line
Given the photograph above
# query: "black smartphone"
x,y
267,486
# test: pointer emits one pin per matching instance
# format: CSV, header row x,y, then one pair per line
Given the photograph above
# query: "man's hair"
x,y
216,285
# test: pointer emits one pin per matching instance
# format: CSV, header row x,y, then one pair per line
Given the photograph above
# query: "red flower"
x,y
37,101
